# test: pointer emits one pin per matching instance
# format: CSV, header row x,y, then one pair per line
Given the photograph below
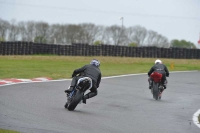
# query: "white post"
x,y
55,41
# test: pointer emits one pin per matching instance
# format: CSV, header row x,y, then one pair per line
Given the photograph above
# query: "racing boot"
x,y
165,84
150,83
84,99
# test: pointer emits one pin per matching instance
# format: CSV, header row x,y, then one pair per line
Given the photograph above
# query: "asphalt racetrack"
x,y
123,105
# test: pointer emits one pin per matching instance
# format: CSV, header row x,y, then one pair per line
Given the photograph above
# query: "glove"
x,y
73,75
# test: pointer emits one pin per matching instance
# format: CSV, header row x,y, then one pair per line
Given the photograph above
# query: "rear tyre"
x,y
75,100
155,91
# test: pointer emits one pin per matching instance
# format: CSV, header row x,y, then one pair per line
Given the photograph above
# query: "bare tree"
x,y
151,37
27,30
74,33
41,31
91,32
129,34
102,36
4,25
160,41
58,32
155,39
30,30
137,34
82,33
13,31
22,31
115,35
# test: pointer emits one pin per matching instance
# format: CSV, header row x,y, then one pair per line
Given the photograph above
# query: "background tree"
x,y
115,34
81,33
155,39
30,30
137,34
74,33
90,32
4,25
132,44
182,44
41,32
13,31
98,42
22,30
57,33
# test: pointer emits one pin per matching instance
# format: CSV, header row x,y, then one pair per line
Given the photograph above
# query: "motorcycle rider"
x,y
160,68
91,70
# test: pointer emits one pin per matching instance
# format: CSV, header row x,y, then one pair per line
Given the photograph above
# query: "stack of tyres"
x,y
109,50
98,50
8,48
5,48
30,48
114,52
198,53
126,51
1,48
26,50
184,53
58,49
117,50
145,52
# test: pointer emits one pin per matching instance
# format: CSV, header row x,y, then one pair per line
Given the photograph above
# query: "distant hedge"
x,y
30,48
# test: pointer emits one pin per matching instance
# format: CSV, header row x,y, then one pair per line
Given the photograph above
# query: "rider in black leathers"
x,y
92,70
160,68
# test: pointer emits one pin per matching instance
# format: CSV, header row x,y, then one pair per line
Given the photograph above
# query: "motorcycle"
x,y
157,87
75,97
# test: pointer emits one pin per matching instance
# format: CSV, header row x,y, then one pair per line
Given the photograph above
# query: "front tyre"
x,y
75,100
66,105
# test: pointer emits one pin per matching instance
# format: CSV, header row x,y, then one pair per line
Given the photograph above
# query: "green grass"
x,y
59,67
199,118
7,131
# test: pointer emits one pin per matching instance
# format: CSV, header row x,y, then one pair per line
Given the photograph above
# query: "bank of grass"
x,y
59,67
199,118
7,131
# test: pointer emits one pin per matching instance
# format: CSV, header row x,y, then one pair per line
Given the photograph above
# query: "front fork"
x,y
69,96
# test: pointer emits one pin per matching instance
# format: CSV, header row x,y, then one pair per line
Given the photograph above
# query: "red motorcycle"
x,y
157,87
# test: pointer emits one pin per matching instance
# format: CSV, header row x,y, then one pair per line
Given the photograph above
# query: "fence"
x,y
30,48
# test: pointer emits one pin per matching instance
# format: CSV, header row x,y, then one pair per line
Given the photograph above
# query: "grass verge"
x,y
199,118
7,131
59,67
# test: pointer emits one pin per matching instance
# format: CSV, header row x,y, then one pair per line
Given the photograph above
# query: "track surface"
x,y
123,105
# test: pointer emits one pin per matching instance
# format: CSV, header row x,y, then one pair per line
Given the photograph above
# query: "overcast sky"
x,y
174,19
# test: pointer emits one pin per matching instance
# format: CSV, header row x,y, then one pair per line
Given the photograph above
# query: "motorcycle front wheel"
x,y
75,100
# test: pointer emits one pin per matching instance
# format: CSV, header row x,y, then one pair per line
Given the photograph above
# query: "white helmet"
x,y
158,61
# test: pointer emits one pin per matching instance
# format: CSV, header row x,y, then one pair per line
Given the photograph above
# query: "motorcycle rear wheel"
x,y
155,91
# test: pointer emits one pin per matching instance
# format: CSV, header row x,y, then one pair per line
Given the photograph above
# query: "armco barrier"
x,y
30,48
